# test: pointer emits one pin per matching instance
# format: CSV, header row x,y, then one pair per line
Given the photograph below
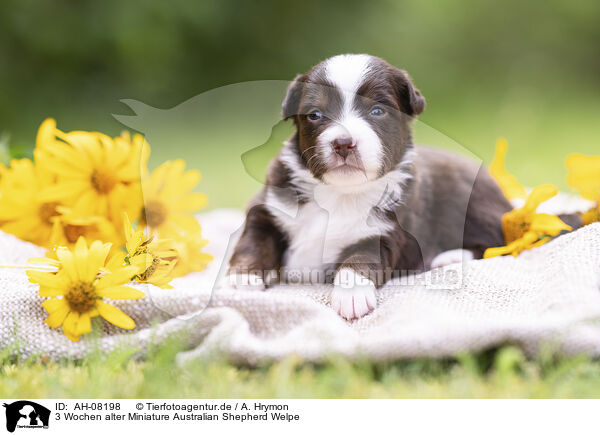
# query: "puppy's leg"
x,y
368,265
357,277
258,252
483,223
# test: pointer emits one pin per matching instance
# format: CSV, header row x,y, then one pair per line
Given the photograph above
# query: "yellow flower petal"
x,y
514,248
46,279
80,260
53,304
185,183
57,314
538,195
175,169
116,277
584,175
591,216
497,252
49,292
120,292
127,228
508,183
191,202
141,262
67,262
44,260
84,324
62,190
540,242
548,224
115,316
46,133
70,324
97,256
186,222
115,261
70,336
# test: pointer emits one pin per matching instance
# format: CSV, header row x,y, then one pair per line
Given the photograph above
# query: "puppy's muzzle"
x,y
343,146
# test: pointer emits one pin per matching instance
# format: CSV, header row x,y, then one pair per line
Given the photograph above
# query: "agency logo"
x,y
24,414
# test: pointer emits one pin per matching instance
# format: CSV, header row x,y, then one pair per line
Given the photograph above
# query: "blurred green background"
x,y
528,71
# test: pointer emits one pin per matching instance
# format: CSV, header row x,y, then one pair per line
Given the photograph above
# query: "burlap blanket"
x,y
550,295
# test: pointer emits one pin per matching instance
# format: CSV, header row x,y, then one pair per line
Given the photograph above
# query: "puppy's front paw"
x,y
453,256
242,281
353,295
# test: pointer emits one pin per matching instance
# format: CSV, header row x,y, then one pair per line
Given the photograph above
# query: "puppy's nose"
x,y
343,146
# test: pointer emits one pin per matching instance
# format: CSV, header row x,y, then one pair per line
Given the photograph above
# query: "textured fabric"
x,y
548,296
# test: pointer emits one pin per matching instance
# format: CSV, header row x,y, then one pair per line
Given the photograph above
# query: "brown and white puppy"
x,y
350,197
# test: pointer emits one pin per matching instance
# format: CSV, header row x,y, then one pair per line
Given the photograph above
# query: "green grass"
x,y
500,373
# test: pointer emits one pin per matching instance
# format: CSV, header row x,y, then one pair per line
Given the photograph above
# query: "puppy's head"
x,y
352,114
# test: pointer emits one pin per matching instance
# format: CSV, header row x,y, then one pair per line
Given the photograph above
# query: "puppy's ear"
x,y
409,97
291,102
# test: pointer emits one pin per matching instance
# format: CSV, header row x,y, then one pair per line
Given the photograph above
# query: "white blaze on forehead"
x,y
347,72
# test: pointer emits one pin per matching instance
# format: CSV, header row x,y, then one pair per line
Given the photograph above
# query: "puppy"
x,y
351,198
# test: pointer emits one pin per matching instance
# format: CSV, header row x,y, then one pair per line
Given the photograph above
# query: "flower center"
x,y
515,224
103,181
81,296
154,214
48,211
73,232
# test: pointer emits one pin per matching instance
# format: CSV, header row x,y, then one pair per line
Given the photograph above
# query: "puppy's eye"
x,y
377,111
315,115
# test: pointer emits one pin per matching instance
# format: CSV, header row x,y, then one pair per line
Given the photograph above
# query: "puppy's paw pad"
x,y
453,256
242,281
353,296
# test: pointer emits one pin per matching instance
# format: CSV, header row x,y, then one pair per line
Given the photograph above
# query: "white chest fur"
x,y
333,219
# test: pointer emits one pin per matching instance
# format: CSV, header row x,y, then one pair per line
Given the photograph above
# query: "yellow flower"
x,y
508,183
525,229
69,226
167,200
77,289
519,221
154,259
190,255
584,176
95,174
22,212
591,216
528,241
46,133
